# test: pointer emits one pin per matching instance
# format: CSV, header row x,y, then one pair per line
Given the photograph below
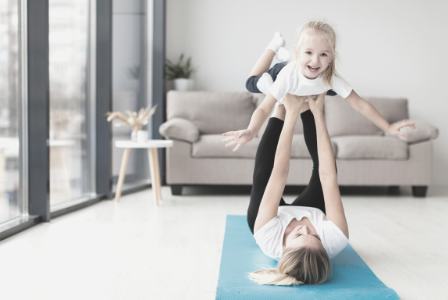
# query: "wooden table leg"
x,y
152,169
157,170
124,163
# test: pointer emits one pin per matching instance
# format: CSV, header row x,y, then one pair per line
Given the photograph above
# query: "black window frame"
x,y
38,108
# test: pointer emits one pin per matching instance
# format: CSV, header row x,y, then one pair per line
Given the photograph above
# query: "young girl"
x,y
262,83
311,71
306,234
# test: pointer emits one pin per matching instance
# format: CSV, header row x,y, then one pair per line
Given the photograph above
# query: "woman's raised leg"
x,y
264,162
313,195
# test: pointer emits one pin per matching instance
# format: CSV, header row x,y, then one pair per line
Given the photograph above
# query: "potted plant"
x,y
135,120
180,73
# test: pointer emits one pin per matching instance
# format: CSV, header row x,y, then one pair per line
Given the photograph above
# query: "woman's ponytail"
x,y
297,267
273,277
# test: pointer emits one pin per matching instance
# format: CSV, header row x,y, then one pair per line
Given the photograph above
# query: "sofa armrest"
x,y
180,129
423,132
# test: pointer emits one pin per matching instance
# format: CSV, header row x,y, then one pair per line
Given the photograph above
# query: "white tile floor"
x,y
130,250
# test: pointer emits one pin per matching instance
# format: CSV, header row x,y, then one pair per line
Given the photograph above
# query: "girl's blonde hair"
x,y
326,31
297,267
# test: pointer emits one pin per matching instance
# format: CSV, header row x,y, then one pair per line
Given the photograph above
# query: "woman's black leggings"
x,y
312,196
251,83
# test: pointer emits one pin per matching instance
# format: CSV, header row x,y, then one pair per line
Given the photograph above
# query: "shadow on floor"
x,y
296,190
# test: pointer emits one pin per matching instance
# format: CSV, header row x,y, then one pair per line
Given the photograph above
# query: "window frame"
x,y
34,93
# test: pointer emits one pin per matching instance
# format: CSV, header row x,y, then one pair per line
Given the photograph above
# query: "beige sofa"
x,y
365,155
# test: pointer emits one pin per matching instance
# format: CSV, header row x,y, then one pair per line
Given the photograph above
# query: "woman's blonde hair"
x,y
326,31
296,267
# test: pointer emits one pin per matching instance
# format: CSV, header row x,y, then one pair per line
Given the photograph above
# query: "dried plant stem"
x,y
135,120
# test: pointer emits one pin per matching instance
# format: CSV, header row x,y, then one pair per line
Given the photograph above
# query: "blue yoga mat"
x,y
352,278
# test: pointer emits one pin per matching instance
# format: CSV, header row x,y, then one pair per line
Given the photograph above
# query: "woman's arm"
x,y
260,115
327,168
276,184
370,112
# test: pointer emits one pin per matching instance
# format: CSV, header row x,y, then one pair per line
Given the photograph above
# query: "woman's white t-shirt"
x,y
291,80
270,236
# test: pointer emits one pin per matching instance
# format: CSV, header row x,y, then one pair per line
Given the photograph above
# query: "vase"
x,y
134,135
183,84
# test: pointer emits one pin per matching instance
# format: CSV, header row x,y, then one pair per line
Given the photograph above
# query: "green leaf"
x,y
178,70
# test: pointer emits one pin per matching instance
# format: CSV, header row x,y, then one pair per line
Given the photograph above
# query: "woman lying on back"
x,y
303,235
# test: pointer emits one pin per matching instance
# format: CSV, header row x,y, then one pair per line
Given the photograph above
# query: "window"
x,y
129,86
69,137
10,112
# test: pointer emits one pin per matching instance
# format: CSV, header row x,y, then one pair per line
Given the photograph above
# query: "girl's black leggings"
x,y
251,83
312,196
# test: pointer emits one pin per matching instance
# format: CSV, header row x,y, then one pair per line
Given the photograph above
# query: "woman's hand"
x,y
293,103
395,128
239,137
317,105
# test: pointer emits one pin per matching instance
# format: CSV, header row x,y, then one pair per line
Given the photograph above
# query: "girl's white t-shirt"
x,y
291,80
270,236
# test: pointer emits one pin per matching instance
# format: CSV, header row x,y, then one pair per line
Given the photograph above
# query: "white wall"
x,y
387,48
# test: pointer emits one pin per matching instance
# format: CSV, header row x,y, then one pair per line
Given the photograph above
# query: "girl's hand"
x,y
239,137
395,128
317,105
293,103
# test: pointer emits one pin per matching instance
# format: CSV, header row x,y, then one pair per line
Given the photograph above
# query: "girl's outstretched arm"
x,y
260,115
370,112
327,167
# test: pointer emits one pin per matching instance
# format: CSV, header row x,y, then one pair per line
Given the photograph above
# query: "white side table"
x,y
152,146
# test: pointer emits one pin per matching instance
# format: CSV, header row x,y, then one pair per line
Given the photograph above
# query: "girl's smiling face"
x,y
314,55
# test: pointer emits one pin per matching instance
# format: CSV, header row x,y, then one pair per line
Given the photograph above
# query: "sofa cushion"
x,y
370,147
342,119
212,113
299,149
211,145
258,100
179,129
422,132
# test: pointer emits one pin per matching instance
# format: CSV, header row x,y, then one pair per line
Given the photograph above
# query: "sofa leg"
x,y
419,191
176,190
394,190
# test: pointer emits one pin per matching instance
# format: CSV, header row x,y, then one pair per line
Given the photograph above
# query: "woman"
x,y
304,235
